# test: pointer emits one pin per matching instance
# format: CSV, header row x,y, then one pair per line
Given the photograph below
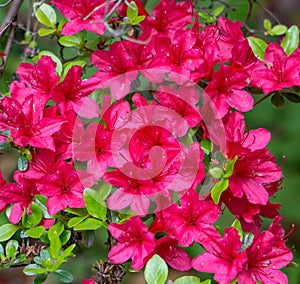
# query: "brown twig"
x,y
10,16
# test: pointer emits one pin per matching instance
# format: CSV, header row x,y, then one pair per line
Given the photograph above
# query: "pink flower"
x,y
83,15
229,33
226,90
250,174
20,195
279,71
72,93
168,249
27,123
63,188
40,78
240,143
168,17
118,66
134,241
224,257
191,219
266,255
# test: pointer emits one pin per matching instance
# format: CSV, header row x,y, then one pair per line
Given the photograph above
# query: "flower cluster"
x,y
170,153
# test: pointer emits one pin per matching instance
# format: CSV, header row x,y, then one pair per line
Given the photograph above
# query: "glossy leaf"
x,y
70,41
46,15
95,204
45,32
277,100
64,276
267,24
89,224
278,30
22,164
291,40
258,47
188,280
34,218
156,271
218,189
35,232
7,231
33,269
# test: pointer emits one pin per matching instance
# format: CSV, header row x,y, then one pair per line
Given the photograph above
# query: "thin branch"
x,y
10,16
7,49
7,3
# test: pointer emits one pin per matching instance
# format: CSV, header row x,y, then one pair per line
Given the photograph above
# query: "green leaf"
x,y
291,40
33,269
64,276
237,224
44,254
76,211
207,146
294,98
54,58
35,218
95,204
137,20
22,164
216,12
70,41
278,30
58,228
230,168
75,221
207,281
45,32
1,250
41,278
187,280
65,236
293,265
218,189
258,47
156,271
7,231
277,100
267,24
46,15
89,224
132,11
216,172
247,241
204,15
35,232
11,248
55,244
62,258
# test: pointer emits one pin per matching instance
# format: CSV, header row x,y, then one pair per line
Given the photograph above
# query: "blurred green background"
x,y
284,125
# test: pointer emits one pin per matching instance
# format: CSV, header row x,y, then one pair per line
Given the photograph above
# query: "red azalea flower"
x,y
27,124
134,241
251,173
229,33
226,90
278,71
94,146
41,78
223,257
83,15
168,17
266,255
63,188
168,249
240,143
72,93
118,66
20,195
190,220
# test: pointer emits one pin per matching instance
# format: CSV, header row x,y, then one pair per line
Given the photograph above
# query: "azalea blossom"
x,y
134,241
